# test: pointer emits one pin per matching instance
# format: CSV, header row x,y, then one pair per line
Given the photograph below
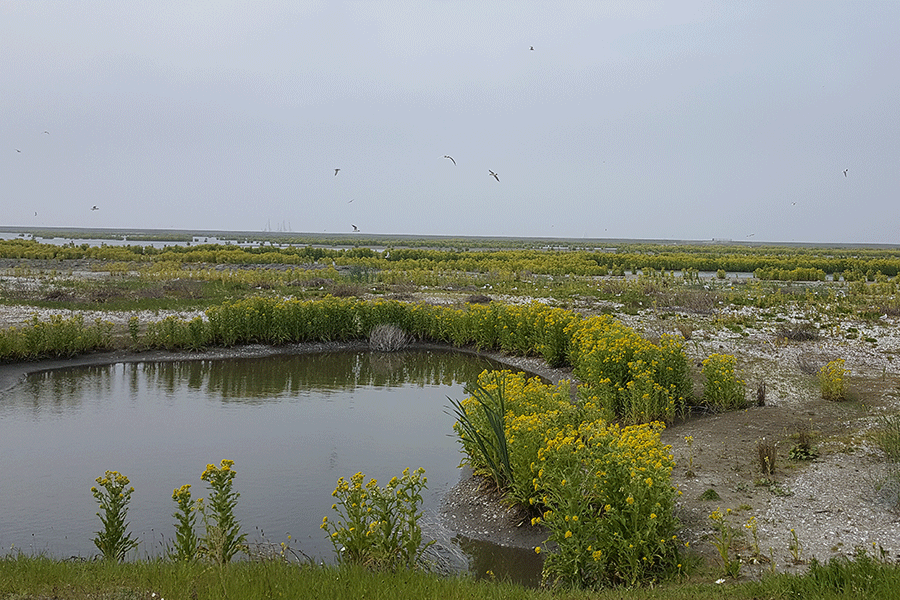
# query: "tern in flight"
x,y
336,172
94,207
47,132
845,172
355,228
532,48
494,175
450,157
17,150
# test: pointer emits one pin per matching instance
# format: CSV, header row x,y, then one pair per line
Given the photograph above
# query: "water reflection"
x,y
518,565
292,423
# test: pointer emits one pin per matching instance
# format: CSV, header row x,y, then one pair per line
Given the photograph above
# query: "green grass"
x,y
38,578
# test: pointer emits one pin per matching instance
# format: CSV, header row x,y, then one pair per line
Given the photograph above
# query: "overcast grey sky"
x,y
677,120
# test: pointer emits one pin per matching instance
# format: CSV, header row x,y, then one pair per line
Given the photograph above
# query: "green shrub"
x,y
378,527
831,380
638,381
608,501
722,389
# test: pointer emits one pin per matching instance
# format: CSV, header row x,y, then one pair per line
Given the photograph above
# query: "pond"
x,y
293,424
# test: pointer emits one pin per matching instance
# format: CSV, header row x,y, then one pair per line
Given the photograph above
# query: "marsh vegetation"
x,y
653,335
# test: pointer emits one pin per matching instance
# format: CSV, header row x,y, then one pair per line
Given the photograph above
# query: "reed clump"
x,y
388,337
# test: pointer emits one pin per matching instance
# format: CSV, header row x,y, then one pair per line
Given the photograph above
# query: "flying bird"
x,y
336,172
494,175
47,132
17,150
845,172
355,228
532,48
351,200
94,207
450,157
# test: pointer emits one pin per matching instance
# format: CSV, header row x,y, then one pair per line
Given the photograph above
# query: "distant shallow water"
x,y
293,424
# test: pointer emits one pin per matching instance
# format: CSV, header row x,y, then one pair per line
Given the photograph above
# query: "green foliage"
x,y
113,496
379,527
723,540
484,433
222,539
172,333
831,380
722,389
503,425
887,436
56,337
608,502
636,380
710,494
187,544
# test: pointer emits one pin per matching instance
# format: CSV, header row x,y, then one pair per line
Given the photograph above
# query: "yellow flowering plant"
x,y
723,541
502,425
378,527
113,495
223,538
722,389
636,380
608,503
831,379
187,543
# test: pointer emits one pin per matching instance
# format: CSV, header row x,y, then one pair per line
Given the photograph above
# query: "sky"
x,y
742,120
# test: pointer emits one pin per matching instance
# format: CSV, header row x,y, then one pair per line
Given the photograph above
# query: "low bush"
x,y
722,389
831,380
604,491
378,527
606,496
387,338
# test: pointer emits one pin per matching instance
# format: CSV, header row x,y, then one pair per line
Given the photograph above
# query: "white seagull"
x,y
355,228
494,175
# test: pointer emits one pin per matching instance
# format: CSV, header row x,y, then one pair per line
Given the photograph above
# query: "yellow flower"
x,y
537,549
568,534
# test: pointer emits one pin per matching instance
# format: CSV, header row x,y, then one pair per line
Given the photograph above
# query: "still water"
x,y
293,424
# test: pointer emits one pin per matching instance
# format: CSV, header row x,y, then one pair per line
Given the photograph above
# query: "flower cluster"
x,y
603,491
378,527
831,378
637,380
722,389
113,496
